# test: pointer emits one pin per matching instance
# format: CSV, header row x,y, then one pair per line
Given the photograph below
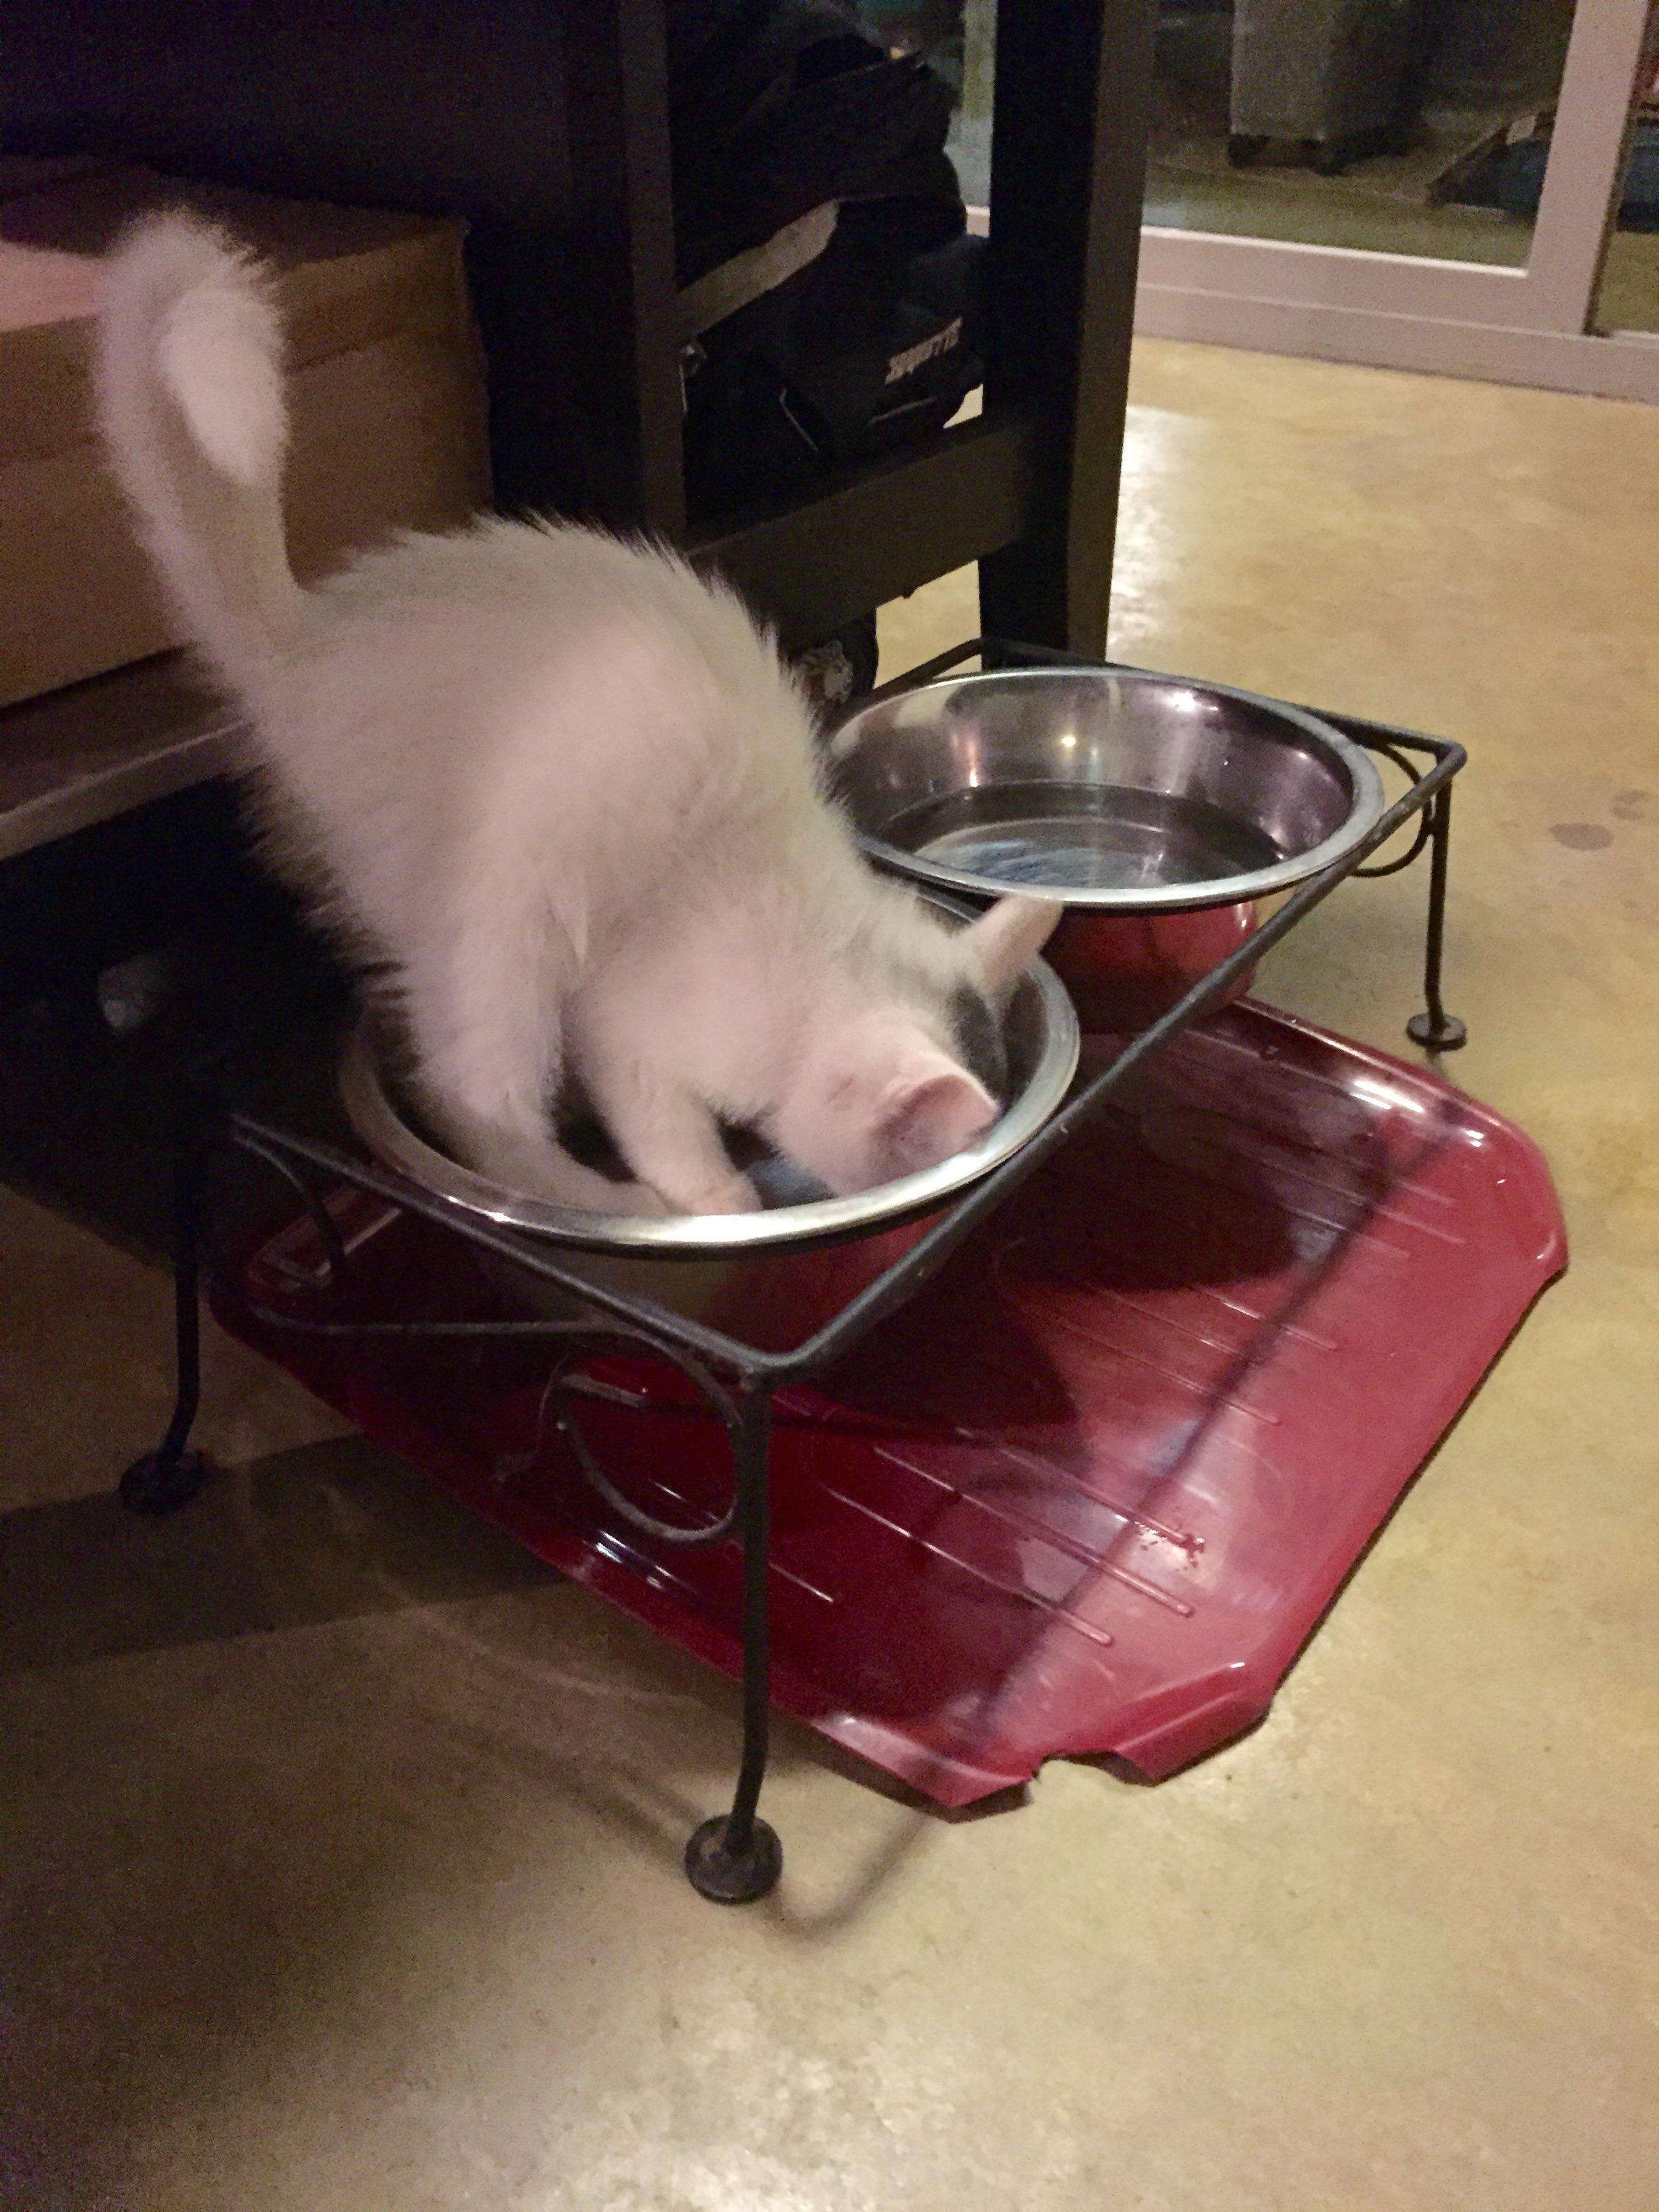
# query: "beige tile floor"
x,y
340,1842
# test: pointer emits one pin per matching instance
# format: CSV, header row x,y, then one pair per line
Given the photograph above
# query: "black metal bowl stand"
x,y
736,1856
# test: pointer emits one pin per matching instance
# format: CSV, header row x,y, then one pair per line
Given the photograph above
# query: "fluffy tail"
x,y
190,393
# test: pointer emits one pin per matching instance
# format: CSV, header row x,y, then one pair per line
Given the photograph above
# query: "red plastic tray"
x,y
1093,1488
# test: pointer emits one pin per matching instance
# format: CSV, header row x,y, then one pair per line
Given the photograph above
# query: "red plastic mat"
x,y
1092,1489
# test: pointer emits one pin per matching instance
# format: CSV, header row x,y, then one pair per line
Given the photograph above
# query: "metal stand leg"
x,y
171,1474
1434,1030
737,1857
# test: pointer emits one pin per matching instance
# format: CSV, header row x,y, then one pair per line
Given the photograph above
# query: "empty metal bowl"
x,y
1116,792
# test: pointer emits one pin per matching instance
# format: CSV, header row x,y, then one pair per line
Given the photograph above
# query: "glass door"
x,y
1431,185
1423,184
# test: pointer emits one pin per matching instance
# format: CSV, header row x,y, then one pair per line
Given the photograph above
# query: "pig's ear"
x,y
1008,937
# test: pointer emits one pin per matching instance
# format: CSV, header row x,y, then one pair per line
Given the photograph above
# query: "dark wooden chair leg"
x,y
620,242
1068,164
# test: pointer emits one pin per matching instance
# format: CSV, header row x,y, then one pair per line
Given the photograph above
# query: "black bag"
x,y
866,349
830,287
777,105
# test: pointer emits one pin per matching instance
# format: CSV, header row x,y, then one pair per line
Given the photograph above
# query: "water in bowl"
x,y
1107,837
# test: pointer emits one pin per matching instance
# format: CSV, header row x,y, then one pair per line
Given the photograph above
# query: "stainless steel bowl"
x,y
1042,1033
1115,791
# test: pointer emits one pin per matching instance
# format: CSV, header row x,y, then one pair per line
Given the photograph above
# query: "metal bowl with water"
x,y
1114,791
1158,812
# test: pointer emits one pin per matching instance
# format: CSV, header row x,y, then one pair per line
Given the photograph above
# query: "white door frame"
x,y
1530,325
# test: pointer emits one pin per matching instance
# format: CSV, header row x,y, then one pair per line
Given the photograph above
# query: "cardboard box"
x,y
386,390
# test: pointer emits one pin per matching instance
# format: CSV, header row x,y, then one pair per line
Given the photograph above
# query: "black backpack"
x,y
830,288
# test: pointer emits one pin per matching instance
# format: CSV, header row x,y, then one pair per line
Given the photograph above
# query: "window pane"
x,y
1402,126
1629,298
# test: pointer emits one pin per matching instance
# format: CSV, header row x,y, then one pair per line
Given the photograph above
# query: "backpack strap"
x,y
748,276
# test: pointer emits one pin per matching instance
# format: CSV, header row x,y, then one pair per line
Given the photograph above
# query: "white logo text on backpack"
x,y
929,350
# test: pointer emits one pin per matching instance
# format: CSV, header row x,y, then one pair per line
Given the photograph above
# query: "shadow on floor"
x,y
230,1849
326,1532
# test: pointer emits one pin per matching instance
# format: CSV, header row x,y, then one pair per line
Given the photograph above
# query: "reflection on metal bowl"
x,y
1124,970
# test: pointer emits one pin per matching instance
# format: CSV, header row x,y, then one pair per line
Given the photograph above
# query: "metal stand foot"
x,y
1441,1032
736,1858
162,1480
171,1475
1434,1029
734,1872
